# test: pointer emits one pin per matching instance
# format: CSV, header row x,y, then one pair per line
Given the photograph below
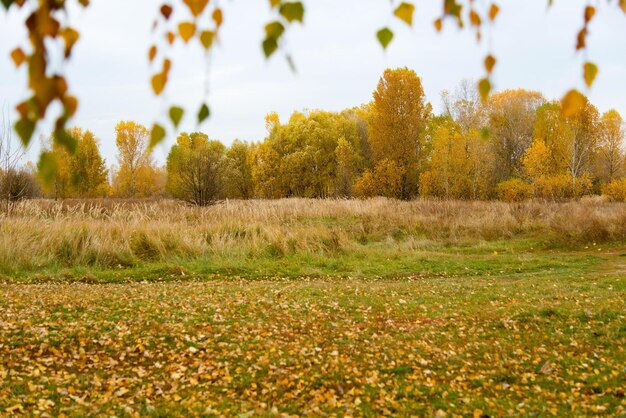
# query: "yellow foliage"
x,y
388,177
514,190
615,191
365,185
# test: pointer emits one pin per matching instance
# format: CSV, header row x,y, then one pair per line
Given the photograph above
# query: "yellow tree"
x,y
397,124
610,150
88,169
461,165
238,171
134,159
511,118
346,167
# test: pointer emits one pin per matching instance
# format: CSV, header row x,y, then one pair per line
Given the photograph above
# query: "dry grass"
x,y
107,233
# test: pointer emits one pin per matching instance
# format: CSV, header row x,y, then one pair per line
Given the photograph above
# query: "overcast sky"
x,y
336,53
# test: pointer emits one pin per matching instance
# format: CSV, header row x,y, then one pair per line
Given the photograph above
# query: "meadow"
x,y
313,307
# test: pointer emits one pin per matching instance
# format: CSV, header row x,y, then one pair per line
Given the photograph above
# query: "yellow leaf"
x,y
70,37
206,39
152,53
590,73
404,12
590,12
438,25
218,17
622,5
490,62
170,37
572,103
18,56
484,88
475,18
493,11
196,6
186,30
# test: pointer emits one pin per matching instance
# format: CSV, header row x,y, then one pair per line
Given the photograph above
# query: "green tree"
x,y
195,168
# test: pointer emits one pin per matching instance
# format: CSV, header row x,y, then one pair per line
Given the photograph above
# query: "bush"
x,y
365,186
615,191
514,190
18,184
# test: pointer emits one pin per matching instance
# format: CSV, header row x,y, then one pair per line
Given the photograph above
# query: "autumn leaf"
x,y
572,103
490,62
218,17
484,88
475,18
274,29
203,113
196,6
166,11
590,73
438,23
18,56
25,128
493,11
152,53
70,36
384,36
292,11
157,134
590,12
171,37
176,114
404,12
186,30
206,39
269,46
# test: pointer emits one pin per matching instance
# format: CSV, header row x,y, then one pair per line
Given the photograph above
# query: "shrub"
x,y
365,185
514,190
615,191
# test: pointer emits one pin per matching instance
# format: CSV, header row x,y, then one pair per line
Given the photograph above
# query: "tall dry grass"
x,y
108,233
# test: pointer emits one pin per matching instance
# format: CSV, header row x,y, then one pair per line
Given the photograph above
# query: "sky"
x,y
338,62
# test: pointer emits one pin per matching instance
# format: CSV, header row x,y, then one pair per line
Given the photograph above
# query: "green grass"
x,y
514,258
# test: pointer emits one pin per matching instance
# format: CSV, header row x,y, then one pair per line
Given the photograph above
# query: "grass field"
x,y
301,307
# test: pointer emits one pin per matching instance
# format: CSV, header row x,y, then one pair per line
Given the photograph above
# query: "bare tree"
x,y
11,153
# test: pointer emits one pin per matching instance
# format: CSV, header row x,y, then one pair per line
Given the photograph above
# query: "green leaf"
x,y
269,46
176,114
62,137
404,12
274,29
7,3
25,129
203,113
484,88
292,11
47,167
157,134
591,71
384,37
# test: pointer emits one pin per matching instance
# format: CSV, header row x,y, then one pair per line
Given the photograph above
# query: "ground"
x,y
524,326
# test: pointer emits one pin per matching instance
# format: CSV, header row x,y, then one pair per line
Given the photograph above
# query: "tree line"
x,y
514,145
